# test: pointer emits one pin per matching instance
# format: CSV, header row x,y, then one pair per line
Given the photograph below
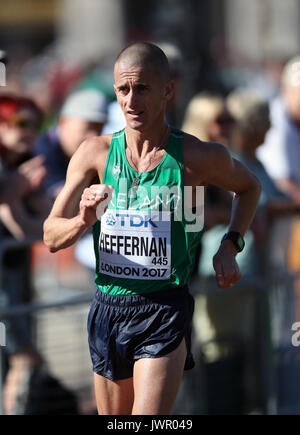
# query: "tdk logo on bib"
x,y
135,220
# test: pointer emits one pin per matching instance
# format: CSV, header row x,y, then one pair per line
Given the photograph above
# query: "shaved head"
x,y
145,55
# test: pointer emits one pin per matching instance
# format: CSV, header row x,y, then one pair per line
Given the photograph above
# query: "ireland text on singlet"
x,y
141,243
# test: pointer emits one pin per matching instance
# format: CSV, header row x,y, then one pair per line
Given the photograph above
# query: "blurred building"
x,y
260,29
212,34
91,28
27,26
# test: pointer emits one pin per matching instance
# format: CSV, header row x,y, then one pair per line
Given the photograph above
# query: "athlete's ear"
x,y
169,90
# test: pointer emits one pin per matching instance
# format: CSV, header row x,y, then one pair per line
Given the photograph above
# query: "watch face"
x,y
240,242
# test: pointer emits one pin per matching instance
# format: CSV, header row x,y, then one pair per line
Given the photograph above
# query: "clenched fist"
x,y
94,202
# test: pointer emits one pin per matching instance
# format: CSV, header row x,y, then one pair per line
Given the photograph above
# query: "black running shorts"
x,y
123,329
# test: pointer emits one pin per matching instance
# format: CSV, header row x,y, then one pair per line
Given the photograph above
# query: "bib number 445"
x,y
161,261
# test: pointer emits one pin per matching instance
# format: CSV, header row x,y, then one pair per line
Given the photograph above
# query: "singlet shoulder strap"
x,y
118,134
115,149
176,145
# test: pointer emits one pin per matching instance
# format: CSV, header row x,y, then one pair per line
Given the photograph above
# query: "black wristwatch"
x,y
236,238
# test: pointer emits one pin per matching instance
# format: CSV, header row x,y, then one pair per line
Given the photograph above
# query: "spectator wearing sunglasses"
x,y
208,118
20,119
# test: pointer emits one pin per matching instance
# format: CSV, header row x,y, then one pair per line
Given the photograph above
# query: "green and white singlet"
x,y
141,243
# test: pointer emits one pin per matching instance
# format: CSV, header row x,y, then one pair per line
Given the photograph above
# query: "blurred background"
x,y
236,70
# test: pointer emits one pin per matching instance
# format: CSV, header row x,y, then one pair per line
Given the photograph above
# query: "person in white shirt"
x,y
280,153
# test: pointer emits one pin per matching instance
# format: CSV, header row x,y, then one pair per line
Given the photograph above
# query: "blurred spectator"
x,y
233,333
115,119
24,179
251,114
276,239
208,118
20,122
20,119
252,123
21,216
273,227
280,152
82,116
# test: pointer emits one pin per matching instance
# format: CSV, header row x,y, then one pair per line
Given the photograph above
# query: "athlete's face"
x,y
142,94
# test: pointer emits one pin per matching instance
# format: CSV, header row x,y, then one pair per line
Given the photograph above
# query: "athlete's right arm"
x,y
74,210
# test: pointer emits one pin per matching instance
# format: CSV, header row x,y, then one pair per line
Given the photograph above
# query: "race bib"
x,y
135,244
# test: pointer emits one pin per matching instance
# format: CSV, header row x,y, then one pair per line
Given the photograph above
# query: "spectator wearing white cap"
x,y
82,116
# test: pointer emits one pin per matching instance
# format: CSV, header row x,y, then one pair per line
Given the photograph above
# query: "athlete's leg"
x,y
156,382
113,397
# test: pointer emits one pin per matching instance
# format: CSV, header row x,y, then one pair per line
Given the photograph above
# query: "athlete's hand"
x,y
94,202
225,265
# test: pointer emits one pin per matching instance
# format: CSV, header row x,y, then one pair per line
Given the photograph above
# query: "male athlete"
x,y
139,322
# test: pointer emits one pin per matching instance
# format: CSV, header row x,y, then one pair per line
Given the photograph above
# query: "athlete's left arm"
x,y
217,167
230,174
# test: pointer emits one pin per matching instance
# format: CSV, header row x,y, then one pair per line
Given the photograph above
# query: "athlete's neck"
x,y
144,142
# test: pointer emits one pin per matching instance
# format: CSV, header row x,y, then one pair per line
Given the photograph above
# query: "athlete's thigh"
x,y
113,397
156,382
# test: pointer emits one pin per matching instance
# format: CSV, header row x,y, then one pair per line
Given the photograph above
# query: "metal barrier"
x,y
61,339
59,316
246,362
